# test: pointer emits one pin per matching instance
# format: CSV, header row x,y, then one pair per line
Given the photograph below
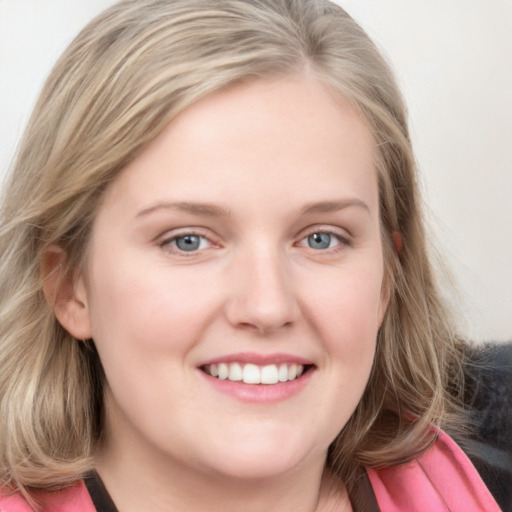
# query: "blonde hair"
x,y
117,86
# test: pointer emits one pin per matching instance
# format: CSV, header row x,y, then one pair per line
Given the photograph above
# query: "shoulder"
x,y
71,499
441,479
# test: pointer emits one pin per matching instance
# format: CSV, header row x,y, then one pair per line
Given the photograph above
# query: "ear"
x,y
66,293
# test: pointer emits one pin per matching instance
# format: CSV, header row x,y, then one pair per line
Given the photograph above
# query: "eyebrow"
x,y
199,209
212,210
334,206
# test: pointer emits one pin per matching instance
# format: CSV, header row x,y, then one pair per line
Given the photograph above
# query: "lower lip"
x,y
260,393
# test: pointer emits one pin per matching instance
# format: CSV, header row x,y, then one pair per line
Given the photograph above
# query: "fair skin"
x,y
247,233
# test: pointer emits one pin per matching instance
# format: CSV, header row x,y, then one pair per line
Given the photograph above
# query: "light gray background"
x,y
453,59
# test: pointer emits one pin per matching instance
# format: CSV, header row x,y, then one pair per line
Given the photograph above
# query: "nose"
x,y
262,297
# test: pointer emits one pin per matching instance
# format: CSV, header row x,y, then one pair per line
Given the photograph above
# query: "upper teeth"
x,y
254,374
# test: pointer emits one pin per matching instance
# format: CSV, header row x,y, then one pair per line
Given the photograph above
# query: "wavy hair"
x,y
119,84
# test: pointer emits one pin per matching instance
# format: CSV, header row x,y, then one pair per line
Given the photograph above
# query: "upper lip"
x,y
257,359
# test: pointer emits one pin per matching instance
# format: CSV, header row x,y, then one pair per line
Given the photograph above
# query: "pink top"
x,y
72,499
441,480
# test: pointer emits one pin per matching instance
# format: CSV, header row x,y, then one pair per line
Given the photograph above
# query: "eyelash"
x,y
169,243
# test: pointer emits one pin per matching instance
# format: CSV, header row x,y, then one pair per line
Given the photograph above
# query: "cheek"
x,y
145,325
143,308
346,315
348,306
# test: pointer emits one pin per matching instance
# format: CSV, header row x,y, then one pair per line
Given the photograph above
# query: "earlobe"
x,y
66,293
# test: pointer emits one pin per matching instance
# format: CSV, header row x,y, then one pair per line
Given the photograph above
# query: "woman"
x,y
215,276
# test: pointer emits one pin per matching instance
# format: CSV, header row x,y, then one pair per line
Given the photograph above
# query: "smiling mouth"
x,y
254,374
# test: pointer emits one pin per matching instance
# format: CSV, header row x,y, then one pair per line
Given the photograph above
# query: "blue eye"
x,y
187,243
321,240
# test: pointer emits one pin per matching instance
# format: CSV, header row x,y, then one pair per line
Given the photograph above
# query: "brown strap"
x,y
98,493
362,497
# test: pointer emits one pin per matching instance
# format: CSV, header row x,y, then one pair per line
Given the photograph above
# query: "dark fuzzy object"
x,y
488,397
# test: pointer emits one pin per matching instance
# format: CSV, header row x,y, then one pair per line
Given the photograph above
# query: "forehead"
x,y
290,138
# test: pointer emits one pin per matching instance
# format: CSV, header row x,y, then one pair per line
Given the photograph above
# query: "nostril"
x,y
263,329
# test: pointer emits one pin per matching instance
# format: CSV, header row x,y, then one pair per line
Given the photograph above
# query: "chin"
x,y
263,456
257,468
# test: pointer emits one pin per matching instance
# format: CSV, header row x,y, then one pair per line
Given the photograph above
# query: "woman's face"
x,y
243,243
